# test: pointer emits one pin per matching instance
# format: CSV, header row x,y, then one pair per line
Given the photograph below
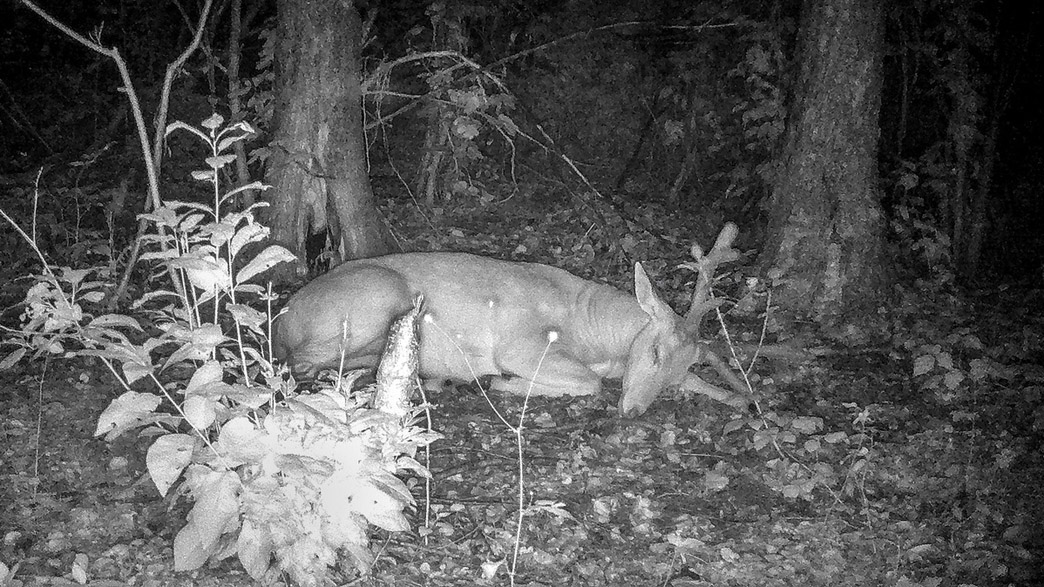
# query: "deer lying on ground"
x,y
487,317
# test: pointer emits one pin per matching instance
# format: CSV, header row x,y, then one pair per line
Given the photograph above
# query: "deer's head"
x,y
668,345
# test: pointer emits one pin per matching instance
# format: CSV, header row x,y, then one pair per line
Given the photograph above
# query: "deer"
x,y
533,328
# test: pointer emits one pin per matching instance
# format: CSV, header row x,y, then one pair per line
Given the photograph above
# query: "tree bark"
x,y
318,166
235,101
825,232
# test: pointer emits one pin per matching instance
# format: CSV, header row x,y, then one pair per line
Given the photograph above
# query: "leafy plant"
x,y
283,480
762,115
463,110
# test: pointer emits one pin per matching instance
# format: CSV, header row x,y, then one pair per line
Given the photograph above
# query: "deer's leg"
x,y
558,374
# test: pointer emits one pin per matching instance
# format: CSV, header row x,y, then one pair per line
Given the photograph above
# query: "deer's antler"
x,y
705,266
702,302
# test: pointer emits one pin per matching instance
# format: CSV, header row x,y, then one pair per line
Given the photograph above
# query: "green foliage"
x,y
919,243
762,115
468,114
274,474
949,365
260,90
54,314
939,163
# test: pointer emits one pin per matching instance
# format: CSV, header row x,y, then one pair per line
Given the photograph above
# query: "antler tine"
x,y
705,265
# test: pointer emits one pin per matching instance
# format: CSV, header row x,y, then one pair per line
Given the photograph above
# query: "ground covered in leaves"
x,y
906,452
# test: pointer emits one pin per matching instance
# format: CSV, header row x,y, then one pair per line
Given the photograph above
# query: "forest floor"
x,y
907,456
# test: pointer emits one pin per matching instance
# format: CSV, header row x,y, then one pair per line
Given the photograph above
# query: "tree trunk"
x,y
825,232
318,167
235,98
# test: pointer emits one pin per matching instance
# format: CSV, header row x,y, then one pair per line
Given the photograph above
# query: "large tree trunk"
x,y
318,165
825,232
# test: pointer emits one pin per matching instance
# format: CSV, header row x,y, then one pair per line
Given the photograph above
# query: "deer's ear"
x,y
647,298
